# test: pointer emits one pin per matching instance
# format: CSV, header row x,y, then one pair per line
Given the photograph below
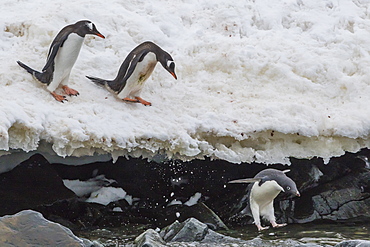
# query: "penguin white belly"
x,y
65,59
136,81
263,195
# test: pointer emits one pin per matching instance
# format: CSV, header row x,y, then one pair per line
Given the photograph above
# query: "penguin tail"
x,y
28,69
36,74
98,80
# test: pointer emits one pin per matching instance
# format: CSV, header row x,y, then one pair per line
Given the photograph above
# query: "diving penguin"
x,y
267,184
62,55
135,70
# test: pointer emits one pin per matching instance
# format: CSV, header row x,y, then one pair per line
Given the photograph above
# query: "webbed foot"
x,y
59,97
69,91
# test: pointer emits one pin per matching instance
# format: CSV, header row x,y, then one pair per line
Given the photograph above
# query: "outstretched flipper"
x,y
244,180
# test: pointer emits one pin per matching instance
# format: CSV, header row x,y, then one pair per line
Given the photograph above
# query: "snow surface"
x,y
83,188
106,195
257,80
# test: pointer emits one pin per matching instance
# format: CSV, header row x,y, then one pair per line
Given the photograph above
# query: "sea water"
x,y
315,234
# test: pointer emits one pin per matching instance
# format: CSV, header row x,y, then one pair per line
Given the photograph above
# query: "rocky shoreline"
x,y
30,228
160,194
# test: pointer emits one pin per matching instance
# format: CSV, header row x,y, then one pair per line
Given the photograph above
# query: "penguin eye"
x,y
170,64
90,25
288,188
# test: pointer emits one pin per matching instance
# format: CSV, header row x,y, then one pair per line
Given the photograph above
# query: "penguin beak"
x,y
99,34
174,75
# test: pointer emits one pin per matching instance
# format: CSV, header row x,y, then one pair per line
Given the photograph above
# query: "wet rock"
x,y
30,228
354,243
30,184
149,238
188,231
192,230
342,199
196,234
77,214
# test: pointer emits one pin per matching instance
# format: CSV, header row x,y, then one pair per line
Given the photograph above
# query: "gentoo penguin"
x,y
267,184
135,70
62,55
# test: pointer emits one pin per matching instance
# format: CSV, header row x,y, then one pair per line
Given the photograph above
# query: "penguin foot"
x,y
131,100
261,228
58,97
137,100
275,225
144,102
69,91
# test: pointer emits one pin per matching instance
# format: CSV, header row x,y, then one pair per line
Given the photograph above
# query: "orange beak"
x,y
174,75
100,35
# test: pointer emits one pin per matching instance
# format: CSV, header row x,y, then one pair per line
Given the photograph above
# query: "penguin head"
x,y
167,62
87,27
290,187
288,184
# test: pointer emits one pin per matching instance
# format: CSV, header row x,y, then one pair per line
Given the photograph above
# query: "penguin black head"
x,y
281,178
289,186
86,27
167,62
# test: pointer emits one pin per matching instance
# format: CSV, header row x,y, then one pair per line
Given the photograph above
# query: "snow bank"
x,y
257,81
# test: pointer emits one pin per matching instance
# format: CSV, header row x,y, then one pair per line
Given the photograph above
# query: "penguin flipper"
x,y
264,179
41,77
245,180
53,51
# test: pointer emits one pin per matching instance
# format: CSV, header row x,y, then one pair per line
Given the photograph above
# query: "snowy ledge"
x,y
263,147
256,81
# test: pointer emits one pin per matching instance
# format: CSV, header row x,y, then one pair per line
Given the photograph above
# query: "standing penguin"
x,y
135,70
62,56
266,186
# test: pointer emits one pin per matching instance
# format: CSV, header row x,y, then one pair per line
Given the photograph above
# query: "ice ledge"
x,y
267,147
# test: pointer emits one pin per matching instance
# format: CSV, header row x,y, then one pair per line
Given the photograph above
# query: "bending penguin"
x,y
266,186
62,56
135,70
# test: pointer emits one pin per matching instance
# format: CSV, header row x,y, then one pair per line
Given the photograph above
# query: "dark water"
x,y
321,234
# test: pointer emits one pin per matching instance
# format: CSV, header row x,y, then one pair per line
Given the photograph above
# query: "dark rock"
x,y
30,184
337,200
354,243
196,233
189,231
339,190
192,230
76,214
149,238
30,228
